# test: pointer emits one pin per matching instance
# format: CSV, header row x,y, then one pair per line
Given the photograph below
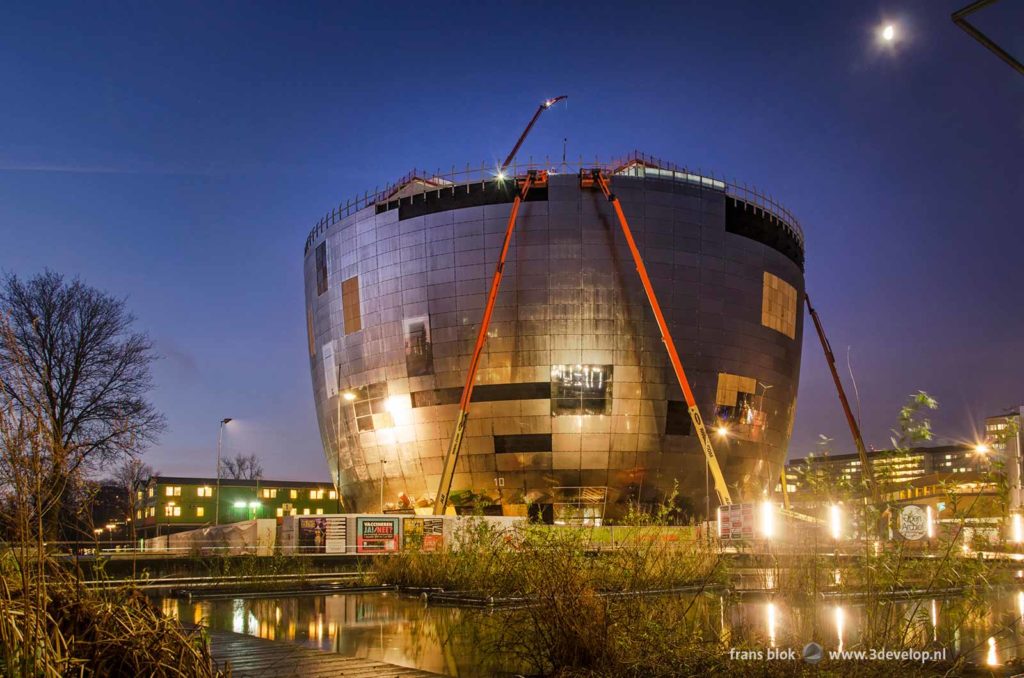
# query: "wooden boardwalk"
x,y
251,656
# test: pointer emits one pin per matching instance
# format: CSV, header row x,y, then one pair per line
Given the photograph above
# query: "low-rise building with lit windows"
x,y
165,504
895,471
576,414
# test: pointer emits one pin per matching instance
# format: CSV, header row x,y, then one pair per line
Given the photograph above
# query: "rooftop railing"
x,y
635,164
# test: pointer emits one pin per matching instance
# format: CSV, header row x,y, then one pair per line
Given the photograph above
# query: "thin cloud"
x,y
94,169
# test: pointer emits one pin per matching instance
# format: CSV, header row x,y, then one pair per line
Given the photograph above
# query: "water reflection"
x,y
840,620
379,626
401,630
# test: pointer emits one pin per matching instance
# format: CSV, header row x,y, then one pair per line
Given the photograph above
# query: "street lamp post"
x,y
220,440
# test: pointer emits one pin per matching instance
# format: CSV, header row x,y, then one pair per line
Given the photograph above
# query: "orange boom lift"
x,y
533,178
721,489
593,178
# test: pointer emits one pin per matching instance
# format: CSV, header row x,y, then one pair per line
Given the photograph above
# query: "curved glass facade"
x,y
576,412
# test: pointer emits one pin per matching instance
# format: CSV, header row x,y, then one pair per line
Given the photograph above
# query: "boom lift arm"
x,y
544,105
533,178
858,440
721,489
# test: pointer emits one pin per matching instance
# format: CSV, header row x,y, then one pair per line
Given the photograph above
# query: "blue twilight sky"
x,y
178,154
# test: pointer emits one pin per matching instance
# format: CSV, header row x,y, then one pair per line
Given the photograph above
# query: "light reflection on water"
x,y
402,630
378,626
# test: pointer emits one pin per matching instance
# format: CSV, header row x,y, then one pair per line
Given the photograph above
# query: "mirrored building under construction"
x,y
576,412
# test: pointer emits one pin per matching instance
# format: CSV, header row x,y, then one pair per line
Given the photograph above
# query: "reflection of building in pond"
x,y
380,626
401,630
576,410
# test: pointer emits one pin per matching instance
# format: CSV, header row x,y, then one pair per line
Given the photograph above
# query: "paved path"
x,y
251,656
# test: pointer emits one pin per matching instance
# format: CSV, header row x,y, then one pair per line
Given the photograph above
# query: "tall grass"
x,y
55,627
489,562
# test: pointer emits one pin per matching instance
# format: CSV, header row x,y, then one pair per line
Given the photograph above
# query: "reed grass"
x,y
52,626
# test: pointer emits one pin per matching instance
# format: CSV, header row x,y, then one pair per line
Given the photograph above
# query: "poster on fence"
x,y
322,535
376,535
736,521
423,534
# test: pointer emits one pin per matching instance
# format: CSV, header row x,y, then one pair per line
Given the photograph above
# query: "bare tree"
x,y
242,467
73,371
129,475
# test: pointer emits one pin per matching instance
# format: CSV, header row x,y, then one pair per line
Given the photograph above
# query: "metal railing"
x,y
634,164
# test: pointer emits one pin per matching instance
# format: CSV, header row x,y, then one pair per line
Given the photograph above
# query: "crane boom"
x,y
721,488
858,440
544,105
533,178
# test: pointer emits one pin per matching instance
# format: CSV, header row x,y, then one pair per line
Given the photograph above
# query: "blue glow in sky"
x,y
178,154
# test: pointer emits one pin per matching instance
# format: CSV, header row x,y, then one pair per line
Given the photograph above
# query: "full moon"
x,y
888,33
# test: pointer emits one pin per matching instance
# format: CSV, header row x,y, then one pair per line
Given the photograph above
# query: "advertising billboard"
x,y
423,534
376,535
322,534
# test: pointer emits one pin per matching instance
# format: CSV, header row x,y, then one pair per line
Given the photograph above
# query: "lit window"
x,y
295,512
737,406
138,495
294,494
581,389
333,494
200,511
150,492
172,511
316,494
778,305
350,305
204,491
321,268
138,514
269,493
319,511
280,512
305,511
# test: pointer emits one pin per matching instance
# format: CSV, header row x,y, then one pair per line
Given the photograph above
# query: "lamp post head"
x,y
225,420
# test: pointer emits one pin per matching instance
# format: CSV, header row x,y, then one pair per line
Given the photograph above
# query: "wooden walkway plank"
x,y
251,656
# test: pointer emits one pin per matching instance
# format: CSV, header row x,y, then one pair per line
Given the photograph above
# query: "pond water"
x,y
402,630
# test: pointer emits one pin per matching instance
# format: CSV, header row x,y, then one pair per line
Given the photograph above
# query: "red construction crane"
x,y
858,440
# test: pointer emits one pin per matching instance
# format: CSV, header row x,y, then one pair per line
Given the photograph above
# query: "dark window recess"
x,y
677,419
752,222
529,442
581,389
419,352
440,396
321,268
456,197
485,393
